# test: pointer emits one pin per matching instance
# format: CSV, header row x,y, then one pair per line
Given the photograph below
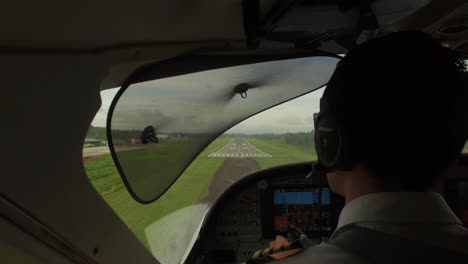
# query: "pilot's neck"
x,y
359,184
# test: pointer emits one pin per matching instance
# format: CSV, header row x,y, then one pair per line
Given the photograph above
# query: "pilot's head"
x,y
393,116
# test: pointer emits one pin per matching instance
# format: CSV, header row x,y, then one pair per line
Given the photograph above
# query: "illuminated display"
x,y
301,208
303,197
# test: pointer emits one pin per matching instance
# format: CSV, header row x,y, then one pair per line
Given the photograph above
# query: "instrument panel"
x,y
263,205
307,209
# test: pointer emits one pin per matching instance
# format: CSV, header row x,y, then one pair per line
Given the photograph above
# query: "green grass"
x,y
151,170
103,174
186,190
281,152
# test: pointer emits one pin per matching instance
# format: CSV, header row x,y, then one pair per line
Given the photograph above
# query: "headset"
x,y
335,147
332,142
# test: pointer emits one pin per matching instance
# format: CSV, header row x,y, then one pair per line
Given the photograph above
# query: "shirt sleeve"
x,y
322,254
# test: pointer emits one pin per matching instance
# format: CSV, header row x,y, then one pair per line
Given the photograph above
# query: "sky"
x,y
293,116
106,98
204,102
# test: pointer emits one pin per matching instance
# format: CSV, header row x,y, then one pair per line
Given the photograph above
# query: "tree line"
x,y
97,133
300,139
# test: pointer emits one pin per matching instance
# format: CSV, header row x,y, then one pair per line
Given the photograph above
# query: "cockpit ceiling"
x,y
132,34
90,25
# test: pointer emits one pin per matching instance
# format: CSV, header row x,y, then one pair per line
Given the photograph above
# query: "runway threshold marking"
x,y
238,149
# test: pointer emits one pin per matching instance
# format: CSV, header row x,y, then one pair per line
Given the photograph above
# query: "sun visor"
x,y
157,128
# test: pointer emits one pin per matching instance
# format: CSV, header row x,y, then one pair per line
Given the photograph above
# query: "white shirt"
x,y
421,216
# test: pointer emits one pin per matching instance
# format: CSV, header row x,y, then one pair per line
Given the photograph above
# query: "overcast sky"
x,y
293,116
204,102
101,116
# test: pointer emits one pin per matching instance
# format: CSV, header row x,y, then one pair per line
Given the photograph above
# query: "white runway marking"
x,y
239,148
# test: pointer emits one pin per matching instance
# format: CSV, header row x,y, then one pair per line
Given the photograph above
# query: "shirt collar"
x,y
398,207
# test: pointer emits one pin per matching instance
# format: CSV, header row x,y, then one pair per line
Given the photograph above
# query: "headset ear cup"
x,y
328,141
348,155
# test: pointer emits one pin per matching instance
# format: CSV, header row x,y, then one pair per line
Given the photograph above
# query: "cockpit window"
x,y
157,128
168,226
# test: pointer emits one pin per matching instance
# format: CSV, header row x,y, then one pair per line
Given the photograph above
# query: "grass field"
x,y
185,191
103,174
281,152
152,169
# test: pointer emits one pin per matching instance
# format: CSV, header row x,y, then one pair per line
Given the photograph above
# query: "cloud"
x,y
291,120
106,99
309,118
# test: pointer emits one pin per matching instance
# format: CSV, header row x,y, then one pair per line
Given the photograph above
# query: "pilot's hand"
x,y
280,240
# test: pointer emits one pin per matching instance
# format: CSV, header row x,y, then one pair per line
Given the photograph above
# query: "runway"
x,y
95,151
239,148
99,151
230,172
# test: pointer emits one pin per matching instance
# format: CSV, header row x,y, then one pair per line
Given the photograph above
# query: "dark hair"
x,y
402,99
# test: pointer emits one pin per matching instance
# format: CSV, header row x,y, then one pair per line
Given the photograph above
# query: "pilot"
x,y
393,118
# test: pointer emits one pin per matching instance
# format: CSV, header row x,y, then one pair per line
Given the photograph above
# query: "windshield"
x,y
167,227
159,127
